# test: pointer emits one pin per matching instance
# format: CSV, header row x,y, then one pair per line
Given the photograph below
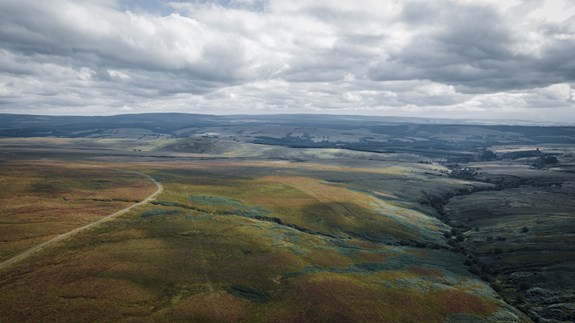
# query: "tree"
x,y
487,155
545,160
549,160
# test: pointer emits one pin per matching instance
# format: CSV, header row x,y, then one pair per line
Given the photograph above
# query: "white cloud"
x,y
561,92
118,74
446,57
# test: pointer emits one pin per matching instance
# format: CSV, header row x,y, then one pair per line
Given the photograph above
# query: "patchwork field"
x,y
243,240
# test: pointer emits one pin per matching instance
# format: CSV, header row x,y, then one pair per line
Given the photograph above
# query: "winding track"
x,y
33,250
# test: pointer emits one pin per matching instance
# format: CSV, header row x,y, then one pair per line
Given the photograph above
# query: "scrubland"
x,y
248,240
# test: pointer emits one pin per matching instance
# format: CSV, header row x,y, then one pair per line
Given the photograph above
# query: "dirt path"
x,y
33,250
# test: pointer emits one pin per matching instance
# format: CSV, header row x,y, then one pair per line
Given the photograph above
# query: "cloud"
x,y
412,57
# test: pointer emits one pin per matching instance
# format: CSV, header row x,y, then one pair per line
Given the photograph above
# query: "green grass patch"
x,y
159,212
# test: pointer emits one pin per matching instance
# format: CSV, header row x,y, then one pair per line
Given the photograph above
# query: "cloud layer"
x,y
442,58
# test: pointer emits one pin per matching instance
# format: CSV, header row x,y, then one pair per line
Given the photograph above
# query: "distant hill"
x,y
366,133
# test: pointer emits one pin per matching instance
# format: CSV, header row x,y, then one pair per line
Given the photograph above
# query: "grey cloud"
x,y
473,47
118,40
465,44
238,56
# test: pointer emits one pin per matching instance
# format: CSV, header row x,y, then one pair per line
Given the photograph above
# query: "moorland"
x,y
285,218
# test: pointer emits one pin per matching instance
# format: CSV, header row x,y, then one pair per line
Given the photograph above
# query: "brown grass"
x,y
41,199
180,267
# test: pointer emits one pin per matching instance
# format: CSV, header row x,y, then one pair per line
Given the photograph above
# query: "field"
x,y
262,220
229,241
41,199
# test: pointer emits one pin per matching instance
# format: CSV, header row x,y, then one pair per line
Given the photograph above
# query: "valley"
x,y
389,222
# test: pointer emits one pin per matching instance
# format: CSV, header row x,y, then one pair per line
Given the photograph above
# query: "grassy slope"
x,y
258,241
39,200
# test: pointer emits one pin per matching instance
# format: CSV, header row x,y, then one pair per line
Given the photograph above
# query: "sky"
x,y
466,59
